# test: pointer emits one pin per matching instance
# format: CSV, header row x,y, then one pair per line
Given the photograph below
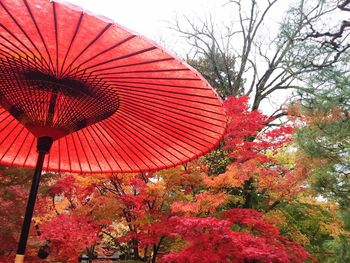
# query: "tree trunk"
x,y
249,194
90,252
135,244
155,250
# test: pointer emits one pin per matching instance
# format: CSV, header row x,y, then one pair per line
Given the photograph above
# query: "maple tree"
x,y
69,235
193,193
143,215
257,169
134,211
145,201
188,210
14,189
240,236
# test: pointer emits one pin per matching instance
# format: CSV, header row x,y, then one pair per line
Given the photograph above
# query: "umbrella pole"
x,y
43,147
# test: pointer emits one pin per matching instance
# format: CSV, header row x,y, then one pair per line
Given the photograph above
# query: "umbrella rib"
x,y
59,154
13,99
27,104
6,124
142,71
159,84
56,32
152,113
33,63
168,135
68,113
87,47
7,54
4,111
106,50
142,153
116,59
190,131
181,111
113,146
138,63
87,159
3,53
71,42
68,154
168,91
38,30
91,149
150,138
10,132
87,108
98,149
152,78
121,93
26,35
166,107
107,149
76,152
125,138
37,114
188,143
19,148
30,149
62,110
142,91
133,64
151,121
14,139
48,161
159,138
176,135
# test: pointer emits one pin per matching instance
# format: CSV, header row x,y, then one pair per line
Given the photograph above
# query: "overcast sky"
x,y
148,17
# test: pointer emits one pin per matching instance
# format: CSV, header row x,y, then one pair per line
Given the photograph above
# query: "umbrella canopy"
x,y
111,100
91,96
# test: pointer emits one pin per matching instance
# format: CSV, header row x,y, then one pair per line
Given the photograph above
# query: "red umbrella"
x,y
91,96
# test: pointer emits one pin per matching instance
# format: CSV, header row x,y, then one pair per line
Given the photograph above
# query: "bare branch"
x,y
344,5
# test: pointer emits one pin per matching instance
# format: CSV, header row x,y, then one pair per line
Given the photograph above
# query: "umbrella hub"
x,y
52,106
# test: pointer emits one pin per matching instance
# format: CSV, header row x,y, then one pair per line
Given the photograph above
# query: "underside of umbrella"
x,y
111,100
91,96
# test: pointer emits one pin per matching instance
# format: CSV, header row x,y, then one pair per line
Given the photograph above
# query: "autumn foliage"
x,y
186,214
69,235
241,235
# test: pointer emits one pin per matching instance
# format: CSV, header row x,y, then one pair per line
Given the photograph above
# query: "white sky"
x,y
148,17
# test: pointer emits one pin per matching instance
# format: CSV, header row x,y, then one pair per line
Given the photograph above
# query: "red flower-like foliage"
x,y
244,138
214,240
69,235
